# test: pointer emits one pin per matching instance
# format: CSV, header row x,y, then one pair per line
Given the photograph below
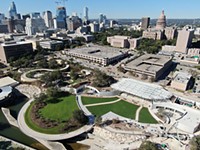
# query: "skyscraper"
x,y
61,16
161,22
48,19
2,17
35,24
184,40
94,27
73,23
101,18
12,11
145,23
85,13
61,13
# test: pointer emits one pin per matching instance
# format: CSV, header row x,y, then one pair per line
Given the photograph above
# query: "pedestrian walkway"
x,y
82,107
24,77
9,117
138,113
105,103
51,137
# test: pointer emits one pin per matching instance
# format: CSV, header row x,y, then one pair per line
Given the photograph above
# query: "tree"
x,y
80,39
51,77
147,145
121,69
98,121
74,75
41,98
79,116
195,143
43,63
53,64
53,92
5,144
102,80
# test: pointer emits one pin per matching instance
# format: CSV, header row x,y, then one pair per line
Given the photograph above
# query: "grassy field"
x,y
121,108
59,111
94,100
145,116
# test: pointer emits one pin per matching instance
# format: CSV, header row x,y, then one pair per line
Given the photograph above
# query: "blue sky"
x,y
113,8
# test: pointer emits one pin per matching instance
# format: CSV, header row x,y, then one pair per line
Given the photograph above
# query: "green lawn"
x,y
58,111
145,116
121,108
94,100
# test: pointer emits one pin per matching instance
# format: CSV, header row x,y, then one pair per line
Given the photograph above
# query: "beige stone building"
x,y
123,41
153,34
102,55
149,66
145,23
181,81
161,22
170,33
184,40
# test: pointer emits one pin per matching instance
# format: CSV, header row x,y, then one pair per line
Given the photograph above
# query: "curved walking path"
x,y
24,77
138,113
82,107
52,137
105,103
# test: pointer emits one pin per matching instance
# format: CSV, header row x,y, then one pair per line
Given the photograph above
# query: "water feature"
x,y
12,132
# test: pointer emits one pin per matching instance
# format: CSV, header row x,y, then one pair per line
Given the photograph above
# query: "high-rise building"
x,y
61,16
85,13
2,17
94,27
170,33
73,23
161,22
184,40
35,15
14,50
145,23
35,24
112,23
48,19
12,11
100,18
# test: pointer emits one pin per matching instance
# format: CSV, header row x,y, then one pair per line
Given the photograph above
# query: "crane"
x,y
64,1
57,2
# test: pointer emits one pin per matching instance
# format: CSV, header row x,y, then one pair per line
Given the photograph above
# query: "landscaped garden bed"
x,y
55,115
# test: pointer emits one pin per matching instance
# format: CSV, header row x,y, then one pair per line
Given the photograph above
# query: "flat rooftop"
x,y
149,62
8,81
98,51
5,91
189,121
13,43
52,42
142,89
182,77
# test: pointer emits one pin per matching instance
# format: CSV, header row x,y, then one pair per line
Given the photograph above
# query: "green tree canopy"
x,y
147,145
195,143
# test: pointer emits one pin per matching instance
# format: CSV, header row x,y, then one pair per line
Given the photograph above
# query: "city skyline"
x,y
130,9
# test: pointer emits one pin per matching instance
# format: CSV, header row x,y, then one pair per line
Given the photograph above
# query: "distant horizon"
x,y
112,8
